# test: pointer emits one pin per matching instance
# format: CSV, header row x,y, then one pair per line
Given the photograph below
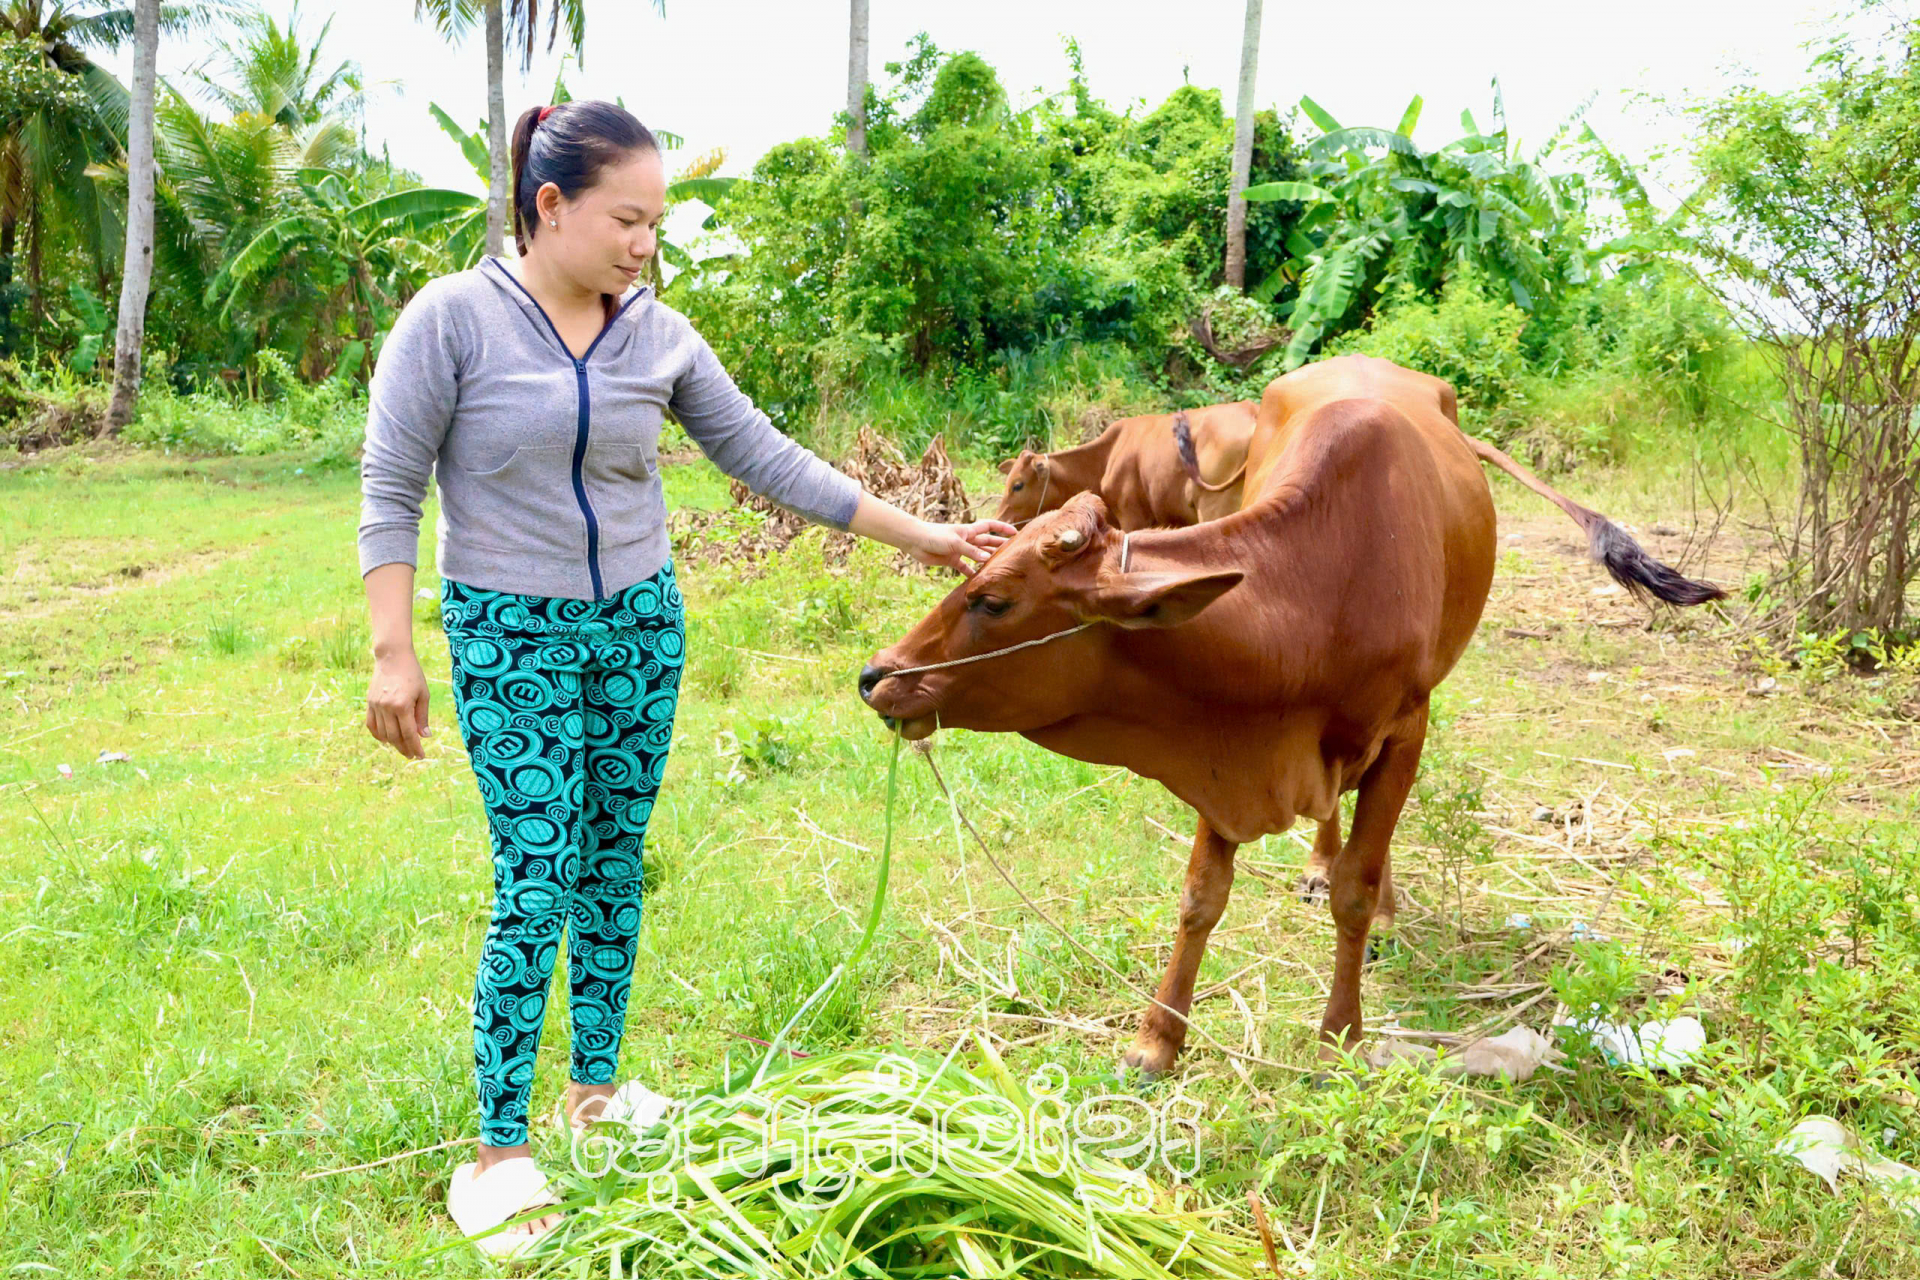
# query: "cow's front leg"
x,y
1360,875
1209,879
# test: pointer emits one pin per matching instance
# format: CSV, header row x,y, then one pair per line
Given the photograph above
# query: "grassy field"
x,y
244,955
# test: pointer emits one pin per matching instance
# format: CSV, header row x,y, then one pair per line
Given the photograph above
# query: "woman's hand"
x,y
397,703
953,546
956,546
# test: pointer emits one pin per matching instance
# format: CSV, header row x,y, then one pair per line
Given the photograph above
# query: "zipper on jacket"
x,y
579,475
582,424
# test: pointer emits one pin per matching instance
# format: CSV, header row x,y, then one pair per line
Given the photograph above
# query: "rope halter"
x,y
1125,548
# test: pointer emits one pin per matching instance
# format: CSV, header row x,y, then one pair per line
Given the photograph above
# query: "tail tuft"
x,y
1640,573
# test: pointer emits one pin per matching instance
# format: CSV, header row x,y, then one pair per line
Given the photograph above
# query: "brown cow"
x,y
1149,470
1260,665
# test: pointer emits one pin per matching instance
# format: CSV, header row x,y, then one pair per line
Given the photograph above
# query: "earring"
x,y
552,223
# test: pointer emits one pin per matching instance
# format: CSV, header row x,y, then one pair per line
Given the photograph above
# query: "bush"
x,y
1665,326
1465,337
969,234
44,409
212,422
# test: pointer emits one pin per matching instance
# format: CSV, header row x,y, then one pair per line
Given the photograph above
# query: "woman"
x,y
534,389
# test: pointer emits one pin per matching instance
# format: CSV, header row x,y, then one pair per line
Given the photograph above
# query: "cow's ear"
x,y
1006,468
1160,599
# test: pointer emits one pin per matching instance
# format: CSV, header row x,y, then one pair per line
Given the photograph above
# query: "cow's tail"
x,y
1611,545
1190,461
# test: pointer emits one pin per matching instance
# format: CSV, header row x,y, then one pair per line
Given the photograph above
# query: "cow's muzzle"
x,y
912,727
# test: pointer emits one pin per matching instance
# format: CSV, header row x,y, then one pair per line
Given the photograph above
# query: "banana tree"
x,y
1383,214
356,252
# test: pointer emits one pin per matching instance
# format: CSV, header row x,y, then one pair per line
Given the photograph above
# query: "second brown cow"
x,y
1158,469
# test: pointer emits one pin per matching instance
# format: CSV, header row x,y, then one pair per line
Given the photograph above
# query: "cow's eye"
x,y
1018,485
993,605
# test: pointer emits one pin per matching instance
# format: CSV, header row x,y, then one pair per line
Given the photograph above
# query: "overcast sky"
x,y
744,75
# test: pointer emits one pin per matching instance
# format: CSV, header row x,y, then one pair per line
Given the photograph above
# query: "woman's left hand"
x,y
957,546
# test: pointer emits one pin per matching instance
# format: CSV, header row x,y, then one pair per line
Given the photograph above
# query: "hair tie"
x,y
544,113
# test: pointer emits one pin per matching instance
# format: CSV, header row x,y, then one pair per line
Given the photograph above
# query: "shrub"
x,y
1465,337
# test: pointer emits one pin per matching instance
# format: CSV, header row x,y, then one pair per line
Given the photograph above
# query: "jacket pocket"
x,y
526,504
623,484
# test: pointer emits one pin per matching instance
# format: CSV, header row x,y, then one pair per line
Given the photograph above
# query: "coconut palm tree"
x,y
857,44
136,275
271,70
78,121
1242,150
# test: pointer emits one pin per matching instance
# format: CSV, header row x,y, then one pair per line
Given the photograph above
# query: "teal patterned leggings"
x,y
567,710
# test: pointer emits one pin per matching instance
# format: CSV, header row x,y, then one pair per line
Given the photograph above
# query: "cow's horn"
x,y
1070,539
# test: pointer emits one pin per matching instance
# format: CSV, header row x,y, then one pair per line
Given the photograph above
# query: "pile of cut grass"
x,y
890,1165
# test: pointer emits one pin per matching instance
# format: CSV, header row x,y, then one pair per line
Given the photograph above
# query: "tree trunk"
x,y
136,276
857,78
1242,151
498,180
9,232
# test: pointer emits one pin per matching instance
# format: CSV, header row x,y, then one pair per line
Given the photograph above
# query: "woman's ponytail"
x,y
521,143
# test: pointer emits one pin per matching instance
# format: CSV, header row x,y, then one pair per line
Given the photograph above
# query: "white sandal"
x,y
632,1104
480,1202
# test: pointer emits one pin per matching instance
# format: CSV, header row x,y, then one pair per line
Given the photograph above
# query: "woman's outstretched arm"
x,y
954,546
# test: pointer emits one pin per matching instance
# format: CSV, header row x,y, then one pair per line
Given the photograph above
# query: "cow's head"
x,y
1062,570
1032,488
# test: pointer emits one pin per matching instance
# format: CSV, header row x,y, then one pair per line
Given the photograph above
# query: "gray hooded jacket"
x,y
548,463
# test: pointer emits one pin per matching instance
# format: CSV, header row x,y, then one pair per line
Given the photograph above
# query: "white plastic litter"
x,y
1827,1148
1515,1056
1519,920
1663,1046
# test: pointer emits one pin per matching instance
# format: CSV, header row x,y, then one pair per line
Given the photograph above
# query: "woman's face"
x,y
608,234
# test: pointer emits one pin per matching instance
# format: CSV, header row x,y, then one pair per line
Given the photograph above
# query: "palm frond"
x,y
703,166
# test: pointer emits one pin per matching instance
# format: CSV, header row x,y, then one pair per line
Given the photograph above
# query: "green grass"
x,y
246,955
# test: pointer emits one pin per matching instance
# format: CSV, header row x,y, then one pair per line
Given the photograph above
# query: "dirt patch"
x,y
40,595
755,527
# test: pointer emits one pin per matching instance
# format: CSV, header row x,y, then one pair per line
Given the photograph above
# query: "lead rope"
x,y
1125,550
926,753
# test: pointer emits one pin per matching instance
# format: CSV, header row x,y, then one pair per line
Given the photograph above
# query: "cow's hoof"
x,y
1380,947
1147,1062
1314,888
1326,1078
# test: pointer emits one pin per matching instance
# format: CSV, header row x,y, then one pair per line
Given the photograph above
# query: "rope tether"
x,y
1125,549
